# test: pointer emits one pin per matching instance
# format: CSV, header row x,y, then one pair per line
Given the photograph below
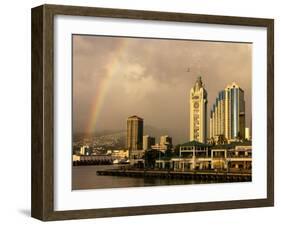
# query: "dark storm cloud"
x,y
152,78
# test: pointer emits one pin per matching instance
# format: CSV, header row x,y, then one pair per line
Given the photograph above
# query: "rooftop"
x,y
195,143
232,145
135,117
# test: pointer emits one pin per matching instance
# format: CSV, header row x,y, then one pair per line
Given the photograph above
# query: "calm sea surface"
x,y
84,177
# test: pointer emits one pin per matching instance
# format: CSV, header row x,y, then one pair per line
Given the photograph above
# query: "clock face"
x,y
196,105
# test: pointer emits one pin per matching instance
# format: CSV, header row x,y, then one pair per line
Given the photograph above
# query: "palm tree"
x,y
177,150
222,139
211,141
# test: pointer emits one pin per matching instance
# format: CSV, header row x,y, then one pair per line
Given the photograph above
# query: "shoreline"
x,y
186,175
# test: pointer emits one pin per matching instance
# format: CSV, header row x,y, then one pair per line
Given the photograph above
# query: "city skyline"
x,y
150,83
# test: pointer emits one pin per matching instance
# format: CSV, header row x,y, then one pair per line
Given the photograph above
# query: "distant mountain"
x,y
80,135
117,138
148,130
107,132
113,140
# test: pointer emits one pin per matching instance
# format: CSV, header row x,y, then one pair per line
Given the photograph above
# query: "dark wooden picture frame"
x,y
42,203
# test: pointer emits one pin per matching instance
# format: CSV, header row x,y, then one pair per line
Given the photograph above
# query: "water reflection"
x,y
84,177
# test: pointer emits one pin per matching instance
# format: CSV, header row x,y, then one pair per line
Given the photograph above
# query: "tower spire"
x,y
198,108
198,83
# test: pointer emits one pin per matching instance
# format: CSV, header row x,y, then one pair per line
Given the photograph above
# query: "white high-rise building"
x,y
147,142
198,112
84,149
247,134
166,140
227,116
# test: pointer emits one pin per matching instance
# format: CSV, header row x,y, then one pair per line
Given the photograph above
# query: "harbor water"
x,y
85,177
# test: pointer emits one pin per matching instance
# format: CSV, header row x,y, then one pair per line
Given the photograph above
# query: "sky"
x,y
116,77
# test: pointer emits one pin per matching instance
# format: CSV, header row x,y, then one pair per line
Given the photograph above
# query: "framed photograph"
x,y
142,112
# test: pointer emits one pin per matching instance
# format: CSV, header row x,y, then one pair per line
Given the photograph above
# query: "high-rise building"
x,y
84,150
227,116
198,112
147,142
134,133
166,141
217,116
247,134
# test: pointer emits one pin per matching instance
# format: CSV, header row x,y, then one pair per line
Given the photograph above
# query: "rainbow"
x,y
103,87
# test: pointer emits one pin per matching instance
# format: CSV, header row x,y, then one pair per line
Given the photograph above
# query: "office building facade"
x,y
134,133
166,140
227,116
148,141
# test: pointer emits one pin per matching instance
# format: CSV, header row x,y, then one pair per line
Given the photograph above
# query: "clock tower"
x,y
198,112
